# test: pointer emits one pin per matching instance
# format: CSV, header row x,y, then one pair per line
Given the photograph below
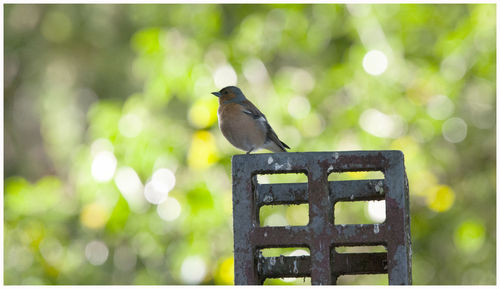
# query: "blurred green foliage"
x,y
108,109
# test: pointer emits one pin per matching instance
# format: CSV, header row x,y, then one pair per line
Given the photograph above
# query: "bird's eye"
x,y
224,92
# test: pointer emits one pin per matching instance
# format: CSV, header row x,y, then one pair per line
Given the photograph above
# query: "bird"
x,y
243,124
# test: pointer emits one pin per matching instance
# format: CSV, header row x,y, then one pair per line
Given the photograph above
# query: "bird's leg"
x,y
248,152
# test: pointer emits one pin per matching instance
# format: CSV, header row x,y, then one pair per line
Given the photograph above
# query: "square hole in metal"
x,y
275,254
298,177
363,212
349,176
361,249
284,215
288,281
371,279
289,251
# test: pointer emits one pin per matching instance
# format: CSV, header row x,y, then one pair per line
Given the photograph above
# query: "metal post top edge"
x,y
386,153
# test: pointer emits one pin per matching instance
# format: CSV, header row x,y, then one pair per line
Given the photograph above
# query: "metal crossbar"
x,y
322,234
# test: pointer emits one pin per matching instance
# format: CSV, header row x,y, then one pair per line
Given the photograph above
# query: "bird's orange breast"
x,y
239,128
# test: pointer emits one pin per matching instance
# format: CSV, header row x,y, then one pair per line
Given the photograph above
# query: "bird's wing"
x,y
256,114
253,111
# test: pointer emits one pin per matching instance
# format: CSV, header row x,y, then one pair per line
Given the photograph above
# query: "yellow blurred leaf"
x,y
440,198
94,216
203,152
225,272
203,113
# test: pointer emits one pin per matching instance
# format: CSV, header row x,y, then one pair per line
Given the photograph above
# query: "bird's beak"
x,y
216,94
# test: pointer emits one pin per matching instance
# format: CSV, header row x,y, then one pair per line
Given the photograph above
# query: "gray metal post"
x,y
321,235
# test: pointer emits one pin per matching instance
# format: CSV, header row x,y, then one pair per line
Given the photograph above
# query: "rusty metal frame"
x,y
321,235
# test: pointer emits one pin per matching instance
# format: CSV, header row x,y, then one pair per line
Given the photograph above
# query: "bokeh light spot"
x,y
163,180
100,145
193,270
469,236
382,125
152,195
440,107
156,191
454,130
440,198
376,211
299,107
375,62
224,76
103,166
130,186
130,125
96,252
169,210
255,71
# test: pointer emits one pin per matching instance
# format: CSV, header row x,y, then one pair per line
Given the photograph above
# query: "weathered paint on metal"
x,y
321,235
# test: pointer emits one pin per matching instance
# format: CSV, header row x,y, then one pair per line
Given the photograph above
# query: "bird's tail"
x,y
276,147
273,143
284,145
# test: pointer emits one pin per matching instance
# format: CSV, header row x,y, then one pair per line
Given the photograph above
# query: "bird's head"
x,y
230,94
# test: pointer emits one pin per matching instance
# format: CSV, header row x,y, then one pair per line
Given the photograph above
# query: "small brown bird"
x,y
243,125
